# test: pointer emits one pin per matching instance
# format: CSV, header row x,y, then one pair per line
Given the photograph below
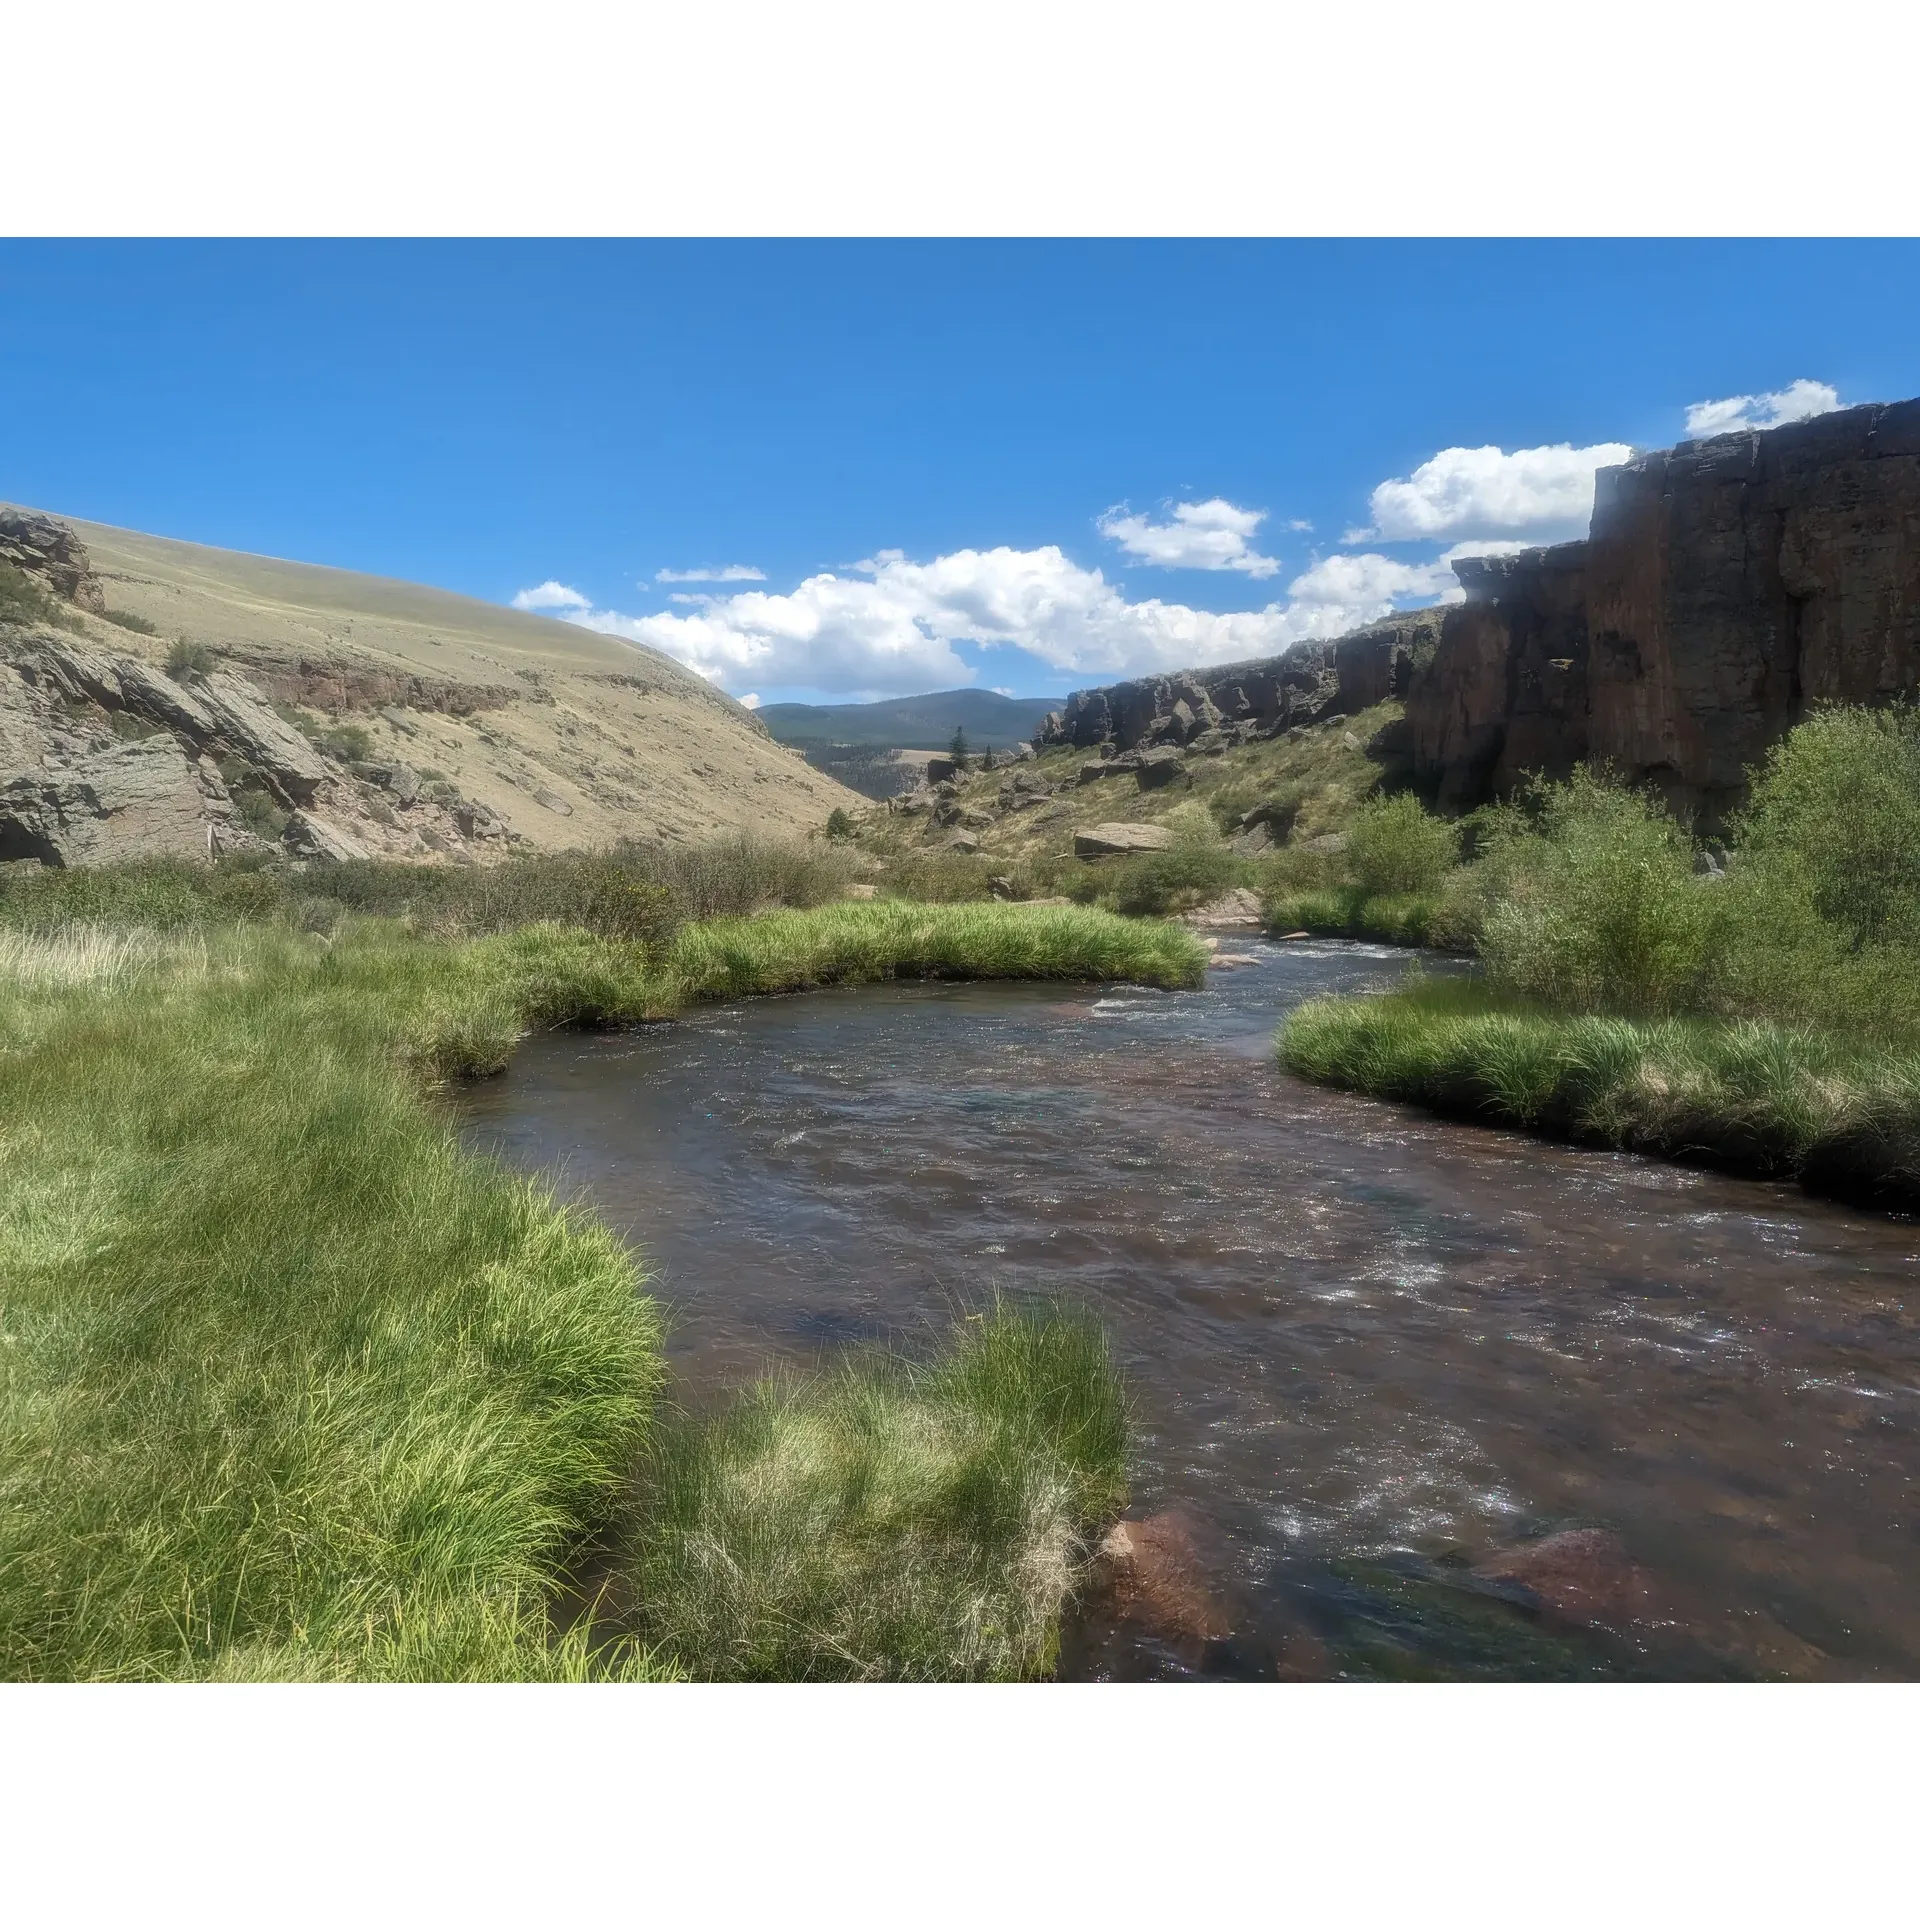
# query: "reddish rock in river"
x,y
1583,1576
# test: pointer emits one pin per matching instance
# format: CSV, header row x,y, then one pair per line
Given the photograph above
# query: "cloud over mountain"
x,y
1212,536
894,625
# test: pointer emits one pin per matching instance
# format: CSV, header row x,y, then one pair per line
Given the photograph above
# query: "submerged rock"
x,y
1583,1576
1158,1578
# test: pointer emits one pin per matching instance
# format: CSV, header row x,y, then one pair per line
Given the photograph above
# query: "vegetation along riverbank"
x,y
1752,1004
293,1387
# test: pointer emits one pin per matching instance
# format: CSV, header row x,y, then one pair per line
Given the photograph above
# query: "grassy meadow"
x,y
293,1387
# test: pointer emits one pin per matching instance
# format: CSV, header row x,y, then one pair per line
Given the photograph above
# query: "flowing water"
x,y
1367,1351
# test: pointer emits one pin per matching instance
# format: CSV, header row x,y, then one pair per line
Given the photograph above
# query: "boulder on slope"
x,y
1120,836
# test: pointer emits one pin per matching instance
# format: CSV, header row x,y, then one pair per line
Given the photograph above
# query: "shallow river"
x,y
1366,1350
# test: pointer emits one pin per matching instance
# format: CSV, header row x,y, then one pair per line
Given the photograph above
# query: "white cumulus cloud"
x,y
1800,400
550,596
710,573
895,625
1481,492
1212,536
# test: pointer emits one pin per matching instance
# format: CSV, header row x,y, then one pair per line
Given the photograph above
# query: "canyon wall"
x,y
1725,586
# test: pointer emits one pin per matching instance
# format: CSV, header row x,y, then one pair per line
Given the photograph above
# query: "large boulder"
x,y
261,738
1237,910
314,837
1161,767
151,694
96,804
1120,836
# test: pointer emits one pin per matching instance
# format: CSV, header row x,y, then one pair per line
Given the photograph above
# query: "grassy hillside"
x,y
923,721
572,738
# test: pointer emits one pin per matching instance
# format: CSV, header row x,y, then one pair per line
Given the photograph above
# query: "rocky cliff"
x,y
1723,588
1250,699
341,714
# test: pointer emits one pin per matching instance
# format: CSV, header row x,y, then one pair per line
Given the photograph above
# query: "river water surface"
x,y
1366,1350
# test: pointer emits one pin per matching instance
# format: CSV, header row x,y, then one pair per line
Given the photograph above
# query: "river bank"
x,y
294,1387
1838,1115
1377,1363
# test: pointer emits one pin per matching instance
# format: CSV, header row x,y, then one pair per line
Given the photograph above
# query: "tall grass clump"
x,y
887,1521
859,942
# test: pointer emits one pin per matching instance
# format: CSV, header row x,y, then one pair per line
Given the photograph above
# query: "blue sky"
x,y
1032,465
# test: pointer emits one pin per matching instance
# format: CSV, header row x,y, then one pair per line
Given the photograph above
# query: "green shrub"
x,y
188,660
1168,882
839,824
133,622
1405,920
1395,846
24,602
1834,822
259,814
943,877
1601,907
347,741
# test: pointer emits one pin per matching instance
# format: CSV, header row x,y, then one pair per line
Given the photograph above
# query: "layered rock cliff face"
x,y
1250,699
1724,587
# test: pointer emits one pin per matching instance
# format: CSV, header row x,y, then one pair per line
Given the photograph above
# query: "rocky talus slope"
x,y
342,715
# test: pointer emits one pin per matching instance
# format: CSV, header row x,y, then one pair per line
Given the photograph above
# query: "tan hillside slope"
x,y
548,734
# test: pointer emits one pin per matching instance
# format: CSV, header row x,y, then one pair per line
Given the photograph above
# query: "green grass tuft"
x,y
886,1521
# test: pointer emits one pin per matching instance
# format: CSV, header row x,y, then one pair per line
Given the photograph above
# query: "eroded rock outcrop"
x,y
92,804
1506,691
104,758
50,551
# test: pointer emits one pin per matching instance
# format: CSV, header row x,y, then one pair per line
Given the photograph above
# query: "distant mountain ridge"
x,y
924,720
